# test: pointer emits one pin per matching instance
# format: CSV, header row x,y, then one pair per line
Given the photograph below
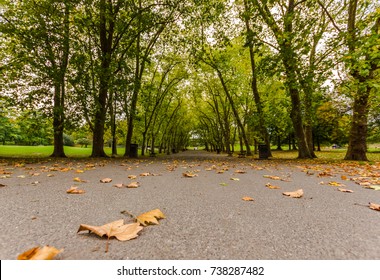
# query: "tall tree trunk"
x,y
60,90
58,122
255,91
106,26
357,147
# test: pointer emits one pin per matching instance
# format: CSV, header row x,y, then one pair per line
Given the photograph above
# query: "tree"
x,y
40,32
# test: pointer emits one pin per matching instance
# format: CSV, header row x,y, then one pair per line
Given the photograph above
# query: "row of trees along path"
x,y
162,72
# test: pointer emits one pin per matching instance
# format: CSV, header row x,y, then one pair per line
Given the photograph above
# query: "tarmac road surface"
x,y
206,217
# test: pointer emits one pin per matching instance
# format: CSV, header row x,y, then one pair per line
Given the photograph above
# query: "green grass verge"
x,y
45,151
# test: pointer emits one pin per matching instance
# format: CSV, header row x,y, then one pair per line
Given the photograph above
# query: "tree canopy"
x,y
165,74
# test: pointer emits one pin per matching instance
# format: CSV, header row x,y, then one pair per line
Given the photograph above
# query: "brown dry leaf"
x,y
50,175
145,174
132,177
295,194
150,218
345,190
272,187
189,175
64,169
133,185
374,206
75,190
247,198
325,174
2,185
240,171
343,177
220,171
106,180
118,229
38,253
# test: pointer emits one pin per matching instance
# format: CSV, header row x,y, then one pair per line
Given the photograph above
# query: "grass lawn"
x,y
45,151
11,151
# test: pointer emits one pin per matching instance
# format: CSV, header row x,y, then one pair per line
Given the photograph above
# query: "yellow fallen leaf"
x,y
145,174
272,177
270,186
234,179
247,198
132,177
106,180
151,217
240,171
295,194
374,206
133,185
75,190
345,190
77,179
189,175
343,177
336,184
38,253
118,229
79,171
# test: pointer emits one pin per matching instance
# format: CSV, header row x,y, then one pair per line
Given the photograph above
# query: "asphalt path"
x,y
206,217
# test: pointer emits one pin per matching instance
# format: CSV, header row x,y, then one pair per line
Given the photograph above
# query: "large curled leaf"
x,y
151,217
114,229
38,253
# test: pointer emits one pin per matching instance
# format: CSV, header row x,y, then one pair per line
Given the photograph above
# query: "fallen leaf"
x,y
223,184
247,198
38,253
145,174
133,185
118,229
345,190
35,183
234,179
79,171
295,194
77,179
343,177
374,206
240,171
374,187
50,175
220,171
132,177
106,180
189,175
336,184
21,176
270,186
2,185
120,185
325,174
272,177
75,190
151,217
